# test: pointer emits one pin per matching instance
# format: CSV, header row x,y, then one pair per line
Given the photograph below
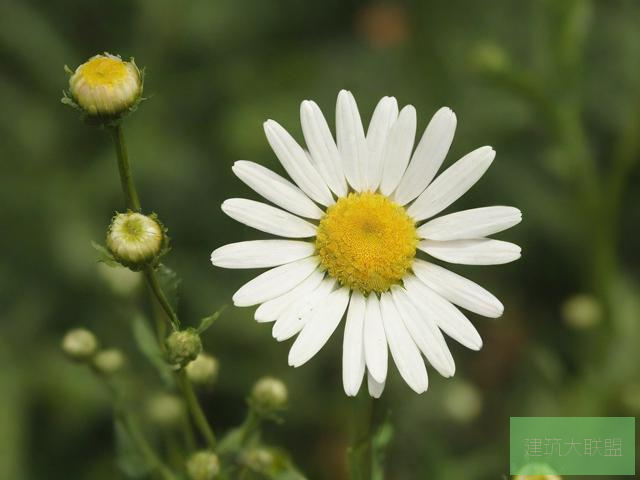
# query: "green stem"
x,y
359,451
152,280
143,446
250,425
132,202
197,414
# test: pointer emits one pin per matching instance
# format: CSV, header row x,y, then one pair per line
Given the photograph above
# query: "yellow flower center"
x,y
366,241
103,70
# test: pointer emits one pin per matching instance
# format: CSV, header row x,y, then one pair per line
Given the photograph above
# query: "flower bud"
x,y
269,394
203,370
135,240
183,346
582,311
106,86
203,465
79,344
108,361
259,459
166,410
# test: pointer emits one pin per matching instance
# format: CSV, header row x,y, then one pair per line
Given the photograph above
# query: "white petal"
x,y
428,157
319,328
296,315
457,289
375,388
449,318
404,351
261,253
375,341
267,218
295,162
452,183
270,310
353,362
274,282
384,116
474,223
351,141
276,189
397,150
425,333
322,147
479,251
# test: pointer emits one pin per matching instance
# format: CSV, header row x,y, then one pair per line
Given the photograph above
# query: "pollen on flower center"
x,y
103,70
366,241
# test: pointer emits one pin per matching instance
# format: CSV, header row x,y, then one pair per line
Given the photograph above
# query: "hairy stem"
x,y
131,200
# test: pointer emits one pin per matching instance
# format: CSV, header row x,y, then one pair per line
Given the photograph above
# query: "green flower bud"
x,y
203,370
183,346
269,394
109,361
106,86
135,240
582,311
203,465
259,459
166,410
80,344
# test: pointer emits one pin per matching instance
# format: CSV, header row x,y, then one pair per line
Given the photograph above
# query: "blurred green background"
x,y
553,86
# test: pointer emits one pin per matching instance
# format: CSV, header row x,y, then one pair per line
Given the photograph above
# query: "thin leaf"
x,y
170,284
104,255
206,322
148,345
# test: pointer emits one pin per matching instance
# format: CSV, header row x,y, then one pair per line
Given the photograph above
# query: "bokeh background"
x,y
553,86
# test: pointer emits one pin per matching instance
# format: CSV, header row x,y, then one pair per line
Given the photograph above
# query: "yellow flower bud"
x,y
203,370
203,465
135,240
108,361
79,344
269,394
106,86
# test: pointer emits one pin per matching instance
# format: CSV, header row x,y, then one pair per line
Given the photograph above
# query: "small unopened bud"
x,y
183,346
269,394
109,361
203,465
135,240
259,459
106,86
582,311
203,370
490,58
80,344
462,401
166,410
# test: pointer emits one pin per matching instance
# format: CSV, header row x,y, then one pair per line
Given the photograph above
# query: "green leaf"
x,y
148,344
104,255
170,284
128,457
206,322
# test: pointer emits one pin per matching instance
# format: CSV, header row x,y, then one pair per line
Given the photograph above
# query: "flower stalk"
x,y
195,409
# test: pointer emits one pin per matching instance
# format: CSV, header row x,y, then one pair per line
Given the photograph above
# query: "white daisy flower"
x,y
361,212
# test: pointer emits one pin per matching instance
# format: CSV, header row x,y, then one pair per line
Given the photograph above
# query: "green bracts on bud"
x,y
183,346
80,344
136,240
